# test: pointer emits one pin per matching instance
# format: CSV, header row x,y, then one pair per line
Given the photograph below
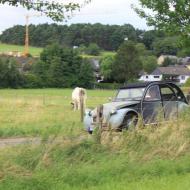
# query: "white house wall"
x,y
183,79
151,78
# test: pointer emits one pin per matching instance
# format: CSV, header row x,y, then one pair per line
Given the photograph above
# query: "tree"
x,y
61,67
149,63
93,49
86,76
106,67
184,52
127,63
168,15
55,10
9,74
169,61
166,46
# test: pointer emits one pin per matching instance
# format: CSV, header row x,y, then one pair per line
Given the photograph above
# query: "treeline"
x,y
96,36
57,67
107,37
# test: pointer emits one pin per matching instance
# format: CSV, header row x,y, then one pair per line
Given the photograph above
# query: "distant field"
x,y
103,53
34,51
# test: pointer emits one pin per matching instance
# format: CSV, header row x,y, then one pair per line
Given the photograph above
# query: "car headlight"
x,y
88,112
113,111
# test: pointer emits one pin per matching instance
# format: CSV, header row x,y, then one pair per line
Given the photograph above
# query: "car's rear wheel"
x,y
129,122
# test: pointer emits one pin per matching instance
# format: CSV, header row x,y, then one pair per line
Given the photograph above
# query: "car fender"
x,y
117,119
88,119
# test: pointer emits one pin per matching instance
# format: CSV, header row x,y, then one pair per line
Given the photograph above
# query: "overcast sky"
x,y
102,11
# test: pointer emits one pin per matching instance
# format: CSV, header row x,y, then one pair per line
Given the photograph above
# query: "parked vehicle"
x,y
151,101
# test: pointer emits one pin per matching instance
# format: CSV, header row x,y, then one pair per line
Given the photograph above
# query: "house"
x,y
178,74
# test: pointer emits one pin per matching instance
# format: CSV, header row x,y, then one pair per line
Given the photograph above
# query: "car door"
x,y
152,109
181,99
169,99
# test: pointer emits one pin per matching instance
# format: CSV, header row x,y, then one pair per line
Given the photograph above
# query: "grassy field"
x,y
34,51
152,158
34,112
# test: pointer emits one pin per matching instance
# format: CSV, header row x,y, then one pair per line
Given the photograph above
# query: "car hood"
x,y
119,105
110,107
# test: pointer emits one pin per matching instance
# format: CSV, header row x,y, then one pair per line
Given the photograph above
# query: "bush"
x,y
32,81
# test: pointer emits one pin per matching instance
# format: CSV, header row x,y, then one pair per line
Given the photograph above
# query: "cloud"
x,y
106,12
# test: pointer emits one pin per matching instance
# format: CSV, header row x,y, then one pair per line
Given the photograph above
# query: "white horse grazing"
x,y
77,95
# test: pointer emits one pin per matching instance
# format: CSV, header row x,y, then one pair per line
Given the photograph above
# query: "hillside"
x,y
34,51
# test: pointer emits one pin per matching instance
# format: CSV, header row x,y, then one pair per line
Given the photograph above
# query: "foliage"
x,y
149,63
55,10
170,15
62,67
86,76
166,46
169,61
184,52
9,74
148,37
127,63
93,49
106,66
107,37
31,81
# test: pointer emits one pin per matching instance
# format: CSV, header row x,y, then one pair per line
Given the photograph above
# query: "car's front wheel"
x,y
129,122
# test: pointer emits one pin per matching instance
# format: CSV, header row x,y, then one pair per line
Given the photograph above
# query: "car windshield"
x,y
130,94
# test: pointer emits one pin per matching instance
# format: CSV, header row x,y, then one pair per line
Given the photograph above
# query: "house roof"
x,y
172,70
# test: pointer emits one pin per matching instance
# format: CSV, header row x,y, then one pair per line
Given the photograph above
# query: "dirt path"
x,y
18,141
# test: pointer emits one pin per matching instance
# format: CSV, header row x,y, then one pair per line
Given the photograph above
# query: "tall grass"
x,y
155,157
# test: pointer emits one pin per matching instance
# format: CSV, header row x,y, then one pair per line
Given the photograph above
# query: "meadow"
x,y
148,158
34,51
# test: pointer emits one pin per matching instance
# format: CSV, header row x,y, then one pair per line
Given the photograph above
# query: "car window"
x,y
178,92
130,94
167,93
153,94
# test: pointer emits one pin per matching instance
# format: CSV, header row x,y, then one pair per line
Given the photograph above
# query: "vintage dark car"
x,y
150,101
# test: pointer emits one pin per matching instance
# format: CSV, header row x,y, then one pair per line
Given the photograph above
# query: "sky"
x,y
102,11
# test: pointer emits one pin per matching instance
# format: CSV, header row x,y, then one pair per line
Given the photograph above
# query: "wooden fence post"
x,y
81,106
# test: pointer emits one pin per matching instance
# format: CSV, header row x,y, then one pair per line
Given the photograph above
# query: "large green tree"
x,y
106,67
167,46
53,9
127,63
62,67
170,15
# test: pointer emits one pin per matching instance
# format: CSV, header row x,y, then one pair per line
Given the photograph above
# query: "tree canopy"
x,y
53,9
169,15
127,63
